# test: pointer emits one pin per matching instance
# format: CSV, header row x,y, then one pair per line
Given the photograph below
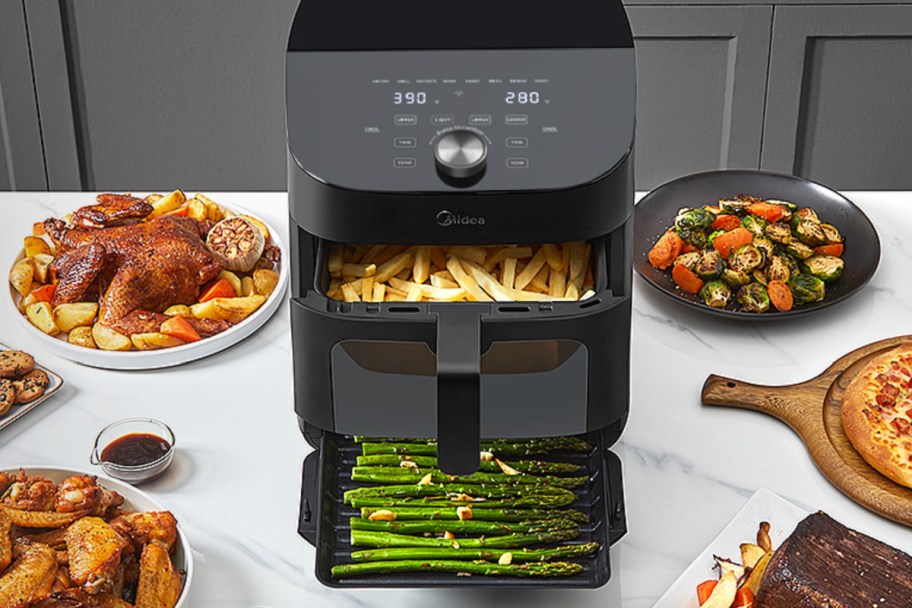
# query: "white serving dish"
x,y
764,505
134,500
166,357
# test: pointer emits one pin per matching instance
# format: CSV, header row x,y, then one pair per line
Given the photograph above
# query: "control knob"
x,y
461,154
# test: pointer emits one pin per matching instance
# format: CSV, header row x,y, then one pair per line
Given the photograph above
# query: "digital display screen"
x,y
522,97
409,98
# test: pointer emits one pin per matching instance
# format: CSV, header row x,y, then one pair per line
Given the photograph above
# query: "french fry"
x,y
367,288
557,283
350,294
371,256
553,256
489,283
532,268
577,259
438,258
359,270
572,293
393,267
334,264
429,292
441,282
388,253
509,273
422,267
468,252
474,291
414,293
379,292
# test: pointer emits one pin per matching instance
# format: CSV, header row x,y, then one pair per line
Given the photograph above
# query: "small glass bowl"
x,y
129,426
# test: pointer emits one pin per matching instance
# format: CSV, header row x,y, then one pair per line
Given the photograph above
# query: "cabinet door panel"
x,y
838,107
701,75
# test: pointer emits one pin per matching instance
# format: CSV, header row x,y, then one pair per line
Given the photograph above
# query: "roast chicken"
x,y
135,269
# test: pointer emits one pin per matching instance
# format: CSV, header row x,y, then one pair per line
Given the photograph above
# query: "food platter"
x,y
18,411
166,357
134,499
764,505
656,211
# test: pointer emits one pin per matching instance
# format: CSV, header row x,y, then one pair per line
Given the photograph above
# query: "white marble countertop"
x,y
687,469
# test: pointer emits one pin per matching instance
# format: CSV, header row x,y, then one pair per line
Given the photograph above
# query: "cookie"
x,y
7,395
31,386
15,364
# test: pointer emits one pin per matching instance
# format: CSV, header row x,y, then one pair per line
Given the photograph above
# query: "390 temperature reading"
x,y
409,98
523,97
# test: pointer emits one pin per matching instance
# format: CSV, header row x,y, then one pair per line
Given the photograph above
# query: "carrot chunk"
x,y
666,249
686,279
728,242
780,295
725,222
768,211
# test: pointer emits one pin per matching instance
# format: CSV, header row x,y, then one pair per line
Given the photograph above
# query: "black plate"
x,y
656,213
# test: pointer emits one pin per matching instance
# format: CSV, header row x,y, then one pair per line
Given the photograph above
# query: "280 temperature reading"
x,y
409,98
522,97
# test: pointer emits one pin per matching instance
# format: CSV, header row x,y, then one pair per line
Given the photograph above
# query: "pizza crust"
x,y
862,424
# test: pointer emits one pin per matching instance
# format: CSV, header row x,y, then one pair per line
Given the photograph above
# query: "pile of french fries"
x,y
461,273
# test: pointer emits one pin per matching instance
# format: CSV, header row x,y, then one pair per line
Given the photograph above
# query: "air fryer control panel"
x,y
436,120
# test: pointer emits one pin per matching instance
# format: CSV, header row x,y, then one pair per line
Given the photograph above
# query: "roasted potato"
x,y
753,581
205,310
154,341
42,261
108,339
167,203
22,275
79,314
35,245
234,280
235,310
265,281
214,212
82,336
197,209
41,316
751,554
27,301
179,310
247,286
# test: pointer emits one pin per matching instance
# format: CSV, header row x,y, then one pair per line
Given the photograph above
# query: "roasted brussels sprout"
x,y
746,258
778,269
696,219
799,250
779,232
735,278
689,259
753,298
736,207
710,265
825,267
755,224
807,288
766,246
831,233
759,276
695,237
810,233
712,237
792,263
715,294
806,214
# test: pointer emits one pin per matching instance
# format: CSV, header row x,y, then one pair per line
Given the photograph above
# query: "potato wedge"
x,y
197,209
265,281
167,203
27,301
205,310
41,316
235,310
154,341
751,554
34,245
108,339
82,336
259,225
753,581
152,198
40,519
234,280
178,310
78,314
21,276
213,211
723,596
248,287
42,261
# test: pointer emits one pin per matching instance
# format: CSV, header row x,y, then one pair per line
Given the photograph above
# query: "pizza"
x,y
877,414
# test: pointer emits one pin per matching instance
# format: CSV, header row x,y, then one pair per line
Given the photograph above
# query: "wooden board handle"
x,y
787,403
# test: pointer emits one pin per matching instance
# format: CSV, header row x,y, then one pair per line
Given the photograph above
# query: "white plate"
x,y
764,505
135,500
166,357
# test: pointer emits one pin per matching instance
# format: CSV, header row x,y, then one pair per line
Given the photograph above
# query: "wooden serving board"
x,y
813,410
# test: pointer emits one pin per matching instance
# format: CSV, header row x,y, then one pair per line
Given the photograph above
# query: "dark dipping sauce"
x,y
135,449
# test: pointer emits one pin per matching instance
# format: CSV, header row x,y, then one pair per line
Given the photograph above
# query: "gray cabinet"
x,y
839,101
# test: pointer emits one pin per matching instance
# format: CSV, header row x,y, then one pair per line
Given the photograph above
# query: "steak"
x,y
824,564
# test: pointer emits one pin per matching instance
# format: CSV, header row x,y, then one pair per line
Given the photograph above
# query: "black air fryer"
x,y
480,123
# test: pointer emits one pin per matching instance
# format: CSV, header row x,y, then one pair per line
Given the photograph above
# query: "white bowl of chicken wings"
x,y
68,538
141,283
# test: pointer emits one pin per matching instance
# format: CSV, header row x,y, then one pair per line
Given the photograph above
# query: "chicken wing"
x,y
112,210
30,493
94,550
5,482
82,493
78,598
144,528
6,541
29,578
159,585
75,271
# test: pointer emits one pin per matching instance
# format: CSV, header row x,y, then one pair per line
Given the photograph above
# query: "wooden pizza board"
x,y
813,410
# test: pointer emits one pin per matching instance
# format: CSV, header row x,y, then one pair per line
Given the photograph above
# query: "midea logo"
x,y
447,218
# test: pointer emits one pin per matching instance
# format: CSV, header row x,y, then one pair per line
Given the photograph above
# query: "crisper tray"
x,y
323,519
18,411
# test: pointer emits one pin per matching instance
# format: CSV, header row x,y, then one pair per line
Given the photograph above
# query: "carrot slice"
x,y
180,328
687,247
686,279
219,288
834,249
666,249
744,598
780,295
771,213
726,222
44,293
728,242
705,589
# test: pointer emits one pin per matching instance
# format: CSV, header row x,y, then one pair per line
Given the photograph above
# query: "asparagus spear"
x,y
519,555
423,513
500,447
573,444
537,501
533,467
391,475
483,568
366,538
454,490
491,528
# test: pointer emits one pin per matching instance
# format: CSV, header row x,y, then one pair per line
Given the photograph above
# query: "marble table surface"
x,y
688,469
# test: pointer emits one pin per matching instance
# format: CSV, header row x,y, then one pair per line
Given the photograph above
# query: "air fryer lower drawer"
x,y
324,518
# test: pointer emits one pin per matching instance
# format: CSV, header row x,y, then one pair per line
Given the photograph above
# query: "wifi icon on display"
x,y
460,93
